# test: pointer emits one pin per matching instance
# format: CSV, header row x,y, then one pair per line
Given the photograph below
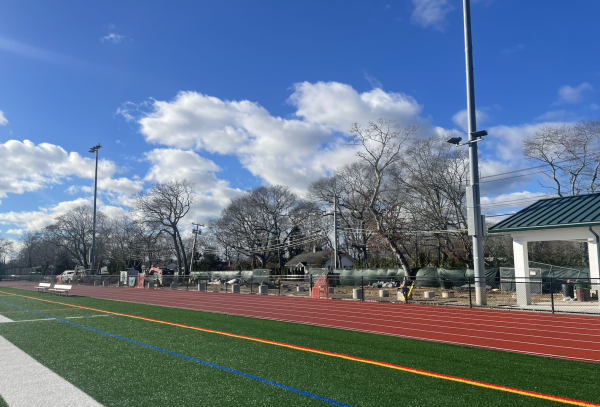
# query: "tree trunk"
x,y
185,263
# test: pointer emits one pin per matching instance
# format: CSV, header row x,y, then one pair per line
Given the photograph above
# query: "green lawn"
x,y
117,372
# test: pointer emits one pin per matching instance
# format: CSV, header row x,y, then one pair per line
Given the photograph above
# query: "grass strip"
x,y
340,380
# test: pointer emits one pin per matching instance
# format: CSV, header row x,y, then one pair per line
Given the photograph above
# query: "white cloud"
x,y
290,152
15,231
28,167
506,141
558,115
36,220
213,194
461,119
569,94
113,38
515,200
3,120
431,13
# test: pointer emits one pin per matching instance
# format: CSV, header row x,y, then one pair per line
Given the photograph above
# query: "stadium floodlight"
x,y
454,140
479,133
93,254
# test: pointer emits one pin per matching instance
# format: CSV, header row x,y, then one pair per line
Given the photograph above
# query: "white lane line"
x,y
24,382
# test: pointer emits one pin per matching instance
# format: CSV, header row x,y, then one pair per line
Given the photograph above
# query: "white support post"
x,y
594,264
522,278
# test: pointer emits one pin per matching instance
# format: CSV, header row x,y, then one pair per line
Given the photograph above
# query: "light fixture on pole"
x,y
93,254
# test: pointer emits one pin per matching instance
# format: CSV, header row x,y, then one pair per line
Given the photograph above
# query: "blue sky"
x,y
233,94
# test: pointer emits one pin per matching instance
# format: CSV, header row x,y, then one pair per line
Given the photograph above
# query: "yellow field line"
x,y
341,356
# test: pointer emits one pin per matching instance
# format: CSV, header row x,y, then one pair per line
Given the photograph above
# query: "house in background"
x,y
317,259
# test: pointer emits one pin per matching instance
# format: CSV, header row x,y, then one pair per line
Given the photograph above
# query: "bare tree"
x,y
382,144
73,233
162,207
436,174
572,153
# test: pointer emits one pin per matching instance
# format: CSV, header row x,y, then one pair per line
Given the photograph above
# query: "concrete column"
x,y
521,258
594,264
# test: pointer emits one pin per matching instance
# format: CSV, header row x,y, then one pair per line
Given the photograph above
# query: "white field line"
x,y
3,319
24,382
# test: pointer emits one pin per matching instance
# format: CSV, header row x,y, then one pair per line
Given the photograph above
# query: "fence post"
x,y
279,286
225,286
251,280
552,293
311,286
362,288
470,299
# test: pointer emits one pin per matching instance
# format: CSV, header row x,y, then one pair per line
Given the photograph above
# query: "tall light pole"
x,y
473,198
93,254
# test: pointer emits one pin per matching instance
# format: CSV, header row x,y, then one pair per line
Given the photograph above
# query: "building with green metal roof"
x,y
574,217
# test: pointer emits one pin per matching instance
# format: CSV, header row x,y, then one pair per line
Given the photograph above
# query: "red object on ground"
x,y
514,331
59,280
321,288
140,280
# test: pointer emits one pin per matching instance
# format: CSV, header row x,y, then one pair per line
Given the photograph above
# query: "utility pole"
x,y
335,233
196,233
478,264
93,254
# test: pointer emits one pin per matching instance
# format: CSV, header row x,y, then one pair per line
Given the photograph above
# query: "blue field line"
x,y
260,379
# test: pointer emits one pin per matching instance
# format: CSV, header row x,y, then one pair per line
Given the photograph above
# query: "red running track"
x,y
562,336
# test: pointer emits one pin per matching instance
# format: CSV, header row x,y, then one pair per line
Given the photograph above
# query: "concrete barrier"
x,y
202,287
300,289
384,293
97,282
448,294
331,290
173,286
429,294
263,289
357,294
235,288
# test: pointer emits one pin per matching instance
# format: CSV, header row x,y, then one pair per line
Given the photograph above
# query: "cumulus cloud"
x,y
431,13
288,151
461,119
213,194
3,120
511,201
27,166
112,38
569,94
36,220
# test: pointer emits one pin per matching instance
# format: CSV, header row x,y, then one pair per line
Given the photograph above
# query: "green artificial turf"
x,y
116,372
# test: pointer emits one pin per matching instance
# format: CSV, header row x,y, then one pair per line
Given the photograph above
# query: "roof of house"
x,y
554,213
309,259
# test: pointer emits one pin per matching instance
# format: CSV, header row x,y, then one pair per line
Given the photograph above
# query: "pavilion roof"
x,y
554,213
